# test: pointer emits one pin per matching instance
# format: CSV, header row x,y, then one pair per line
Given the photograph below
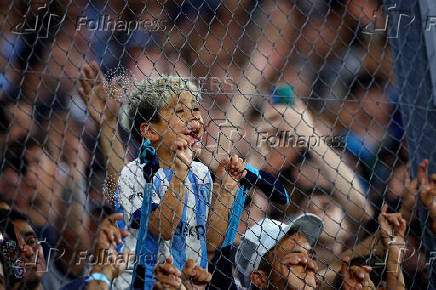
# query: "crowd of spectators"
x,y
239,79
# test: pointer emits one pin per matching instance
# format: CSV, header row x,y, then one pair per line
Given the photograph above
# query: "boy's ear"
x,y
258,278
148,132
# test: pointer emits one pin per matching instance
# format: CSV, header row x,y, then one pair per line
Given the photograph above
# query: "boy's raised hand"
x,y
236,167
183,156
231,171
96,97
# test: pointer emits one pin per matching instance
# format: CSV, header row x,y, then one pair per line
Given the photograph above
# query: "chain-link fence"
x,y
220,144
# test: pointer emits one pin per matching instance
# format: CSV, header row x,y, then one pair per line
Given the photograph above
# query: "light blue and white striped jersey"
x,y
189,241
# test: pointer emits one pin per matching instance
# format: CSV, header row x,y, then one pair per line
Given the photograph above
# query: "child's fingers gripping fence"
x,y
240,140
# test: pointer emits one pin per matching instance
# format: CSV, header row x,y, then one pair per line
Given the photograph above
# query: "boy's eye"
x,y
196,109
179,111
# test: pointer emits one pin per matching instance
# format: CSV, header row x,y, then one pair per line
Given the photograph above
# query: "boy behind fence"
x,y
179,203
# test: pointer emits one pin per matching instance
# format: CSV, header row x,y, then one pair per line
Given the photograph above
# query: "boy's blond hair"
x,y
151,95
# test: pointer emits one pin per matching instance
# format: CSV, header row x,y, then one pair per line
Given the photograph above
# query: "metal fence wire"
x,y
219,144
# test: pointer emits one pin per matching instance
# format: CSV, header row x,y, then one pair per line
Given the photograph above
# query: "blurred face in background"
x,y
20,121
369,117
19,181
336,227
34,189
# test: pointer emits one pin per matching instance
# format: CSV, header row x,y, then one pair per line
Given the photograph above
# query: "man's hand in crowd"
x,y
231,171
392,228
194,277
167,276
408,205
427,190
355,277
108,237
101,105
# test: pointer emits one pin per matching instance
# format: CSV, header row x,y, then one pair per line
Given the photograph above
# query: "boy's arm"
x,y
165,218
223,196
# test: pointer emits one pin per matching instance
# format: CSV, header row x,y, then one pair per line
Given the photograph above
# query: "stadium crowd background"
x,y
54,163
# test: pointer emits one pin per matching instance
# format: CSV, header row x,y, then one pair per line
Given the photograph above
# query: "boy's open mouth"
x,y
194,135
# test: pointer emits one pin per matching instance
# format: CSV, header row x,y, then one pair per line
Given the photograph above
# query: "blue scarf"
x,y
148,156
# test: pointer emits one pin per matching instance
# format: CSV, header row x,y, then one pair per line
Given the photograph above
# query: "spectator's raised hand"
x,y
427,191
96,97
392,227
408,204
194,277
356,277
167,276
108,237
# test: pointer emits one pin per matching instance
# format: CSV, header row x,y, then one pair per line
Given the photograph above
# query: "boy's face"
x,y
181,118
